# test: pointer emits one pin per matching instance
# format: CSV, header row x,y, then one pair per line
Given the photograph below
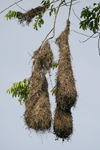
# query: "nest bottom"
x,y
63,124
38,117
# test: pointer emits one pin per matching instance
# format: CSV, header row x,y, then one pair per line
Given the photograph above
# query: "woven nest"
x,y
63,124
29,15
66,94
44,56
37,114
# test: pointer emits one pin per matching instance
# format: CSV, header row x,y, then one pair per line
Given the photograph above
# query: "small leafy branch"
x,y
33,13
11,14
20,89
54,65
53,91
91,18
38,21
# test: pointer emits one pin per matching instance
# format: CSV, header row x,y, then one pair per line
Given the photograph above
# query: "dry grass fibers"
x,y
66,94
29,15
63,124
37,114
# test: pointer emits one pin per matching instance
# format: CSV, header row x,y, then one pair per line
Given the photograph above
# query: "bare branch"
x,y
10,6
84,34
46,38
55,20
65,4
21,7
70,9
72,4
88,38
76,15
50,3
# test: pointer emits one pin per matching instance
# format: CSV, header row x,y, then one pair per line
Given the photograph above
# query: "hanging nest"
x,y
29,15
63,124
66,94
37,114
44,56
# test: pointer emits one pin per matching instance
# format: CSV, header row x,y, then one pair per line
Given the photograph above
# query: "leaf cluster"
x,y
11,14
39,19
20,89
52,10
91,17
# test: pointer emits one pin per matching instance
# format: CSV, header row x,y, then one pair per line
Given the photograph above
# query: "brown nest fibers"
x,y
29,15
63,124
37,114
66,94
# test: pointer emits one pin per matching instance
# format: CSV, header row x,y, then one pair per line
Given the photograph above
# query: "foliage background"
x,y
15,43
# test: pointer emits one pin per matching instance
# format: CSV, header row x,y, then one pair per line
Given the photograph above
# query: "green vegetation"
x,y
91,17
20,89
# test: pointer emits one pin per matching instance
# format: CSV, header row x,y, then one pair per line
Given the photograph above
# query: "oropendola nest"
x,y
66,94
63,124
37,114
29,15
44,56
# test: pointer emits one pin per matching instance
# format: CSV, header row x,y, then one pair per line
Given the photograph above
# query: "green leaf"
x,y
50,13
42,2
51,10
94,4
42,21
39,24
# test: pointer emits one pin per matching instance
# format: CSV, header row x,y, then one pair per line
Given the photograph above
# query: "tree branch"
x,y
72,4
76,15
88,38
85,34
55,20
70,9
21,8
10,6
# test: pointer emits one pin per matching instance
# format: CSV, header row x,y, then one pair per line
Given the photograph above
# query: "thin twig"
x,y
74,3
85,34
53,25
64,5
87,38
10,6
76,15
55,20
50,3
46,37
70,9
21,7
